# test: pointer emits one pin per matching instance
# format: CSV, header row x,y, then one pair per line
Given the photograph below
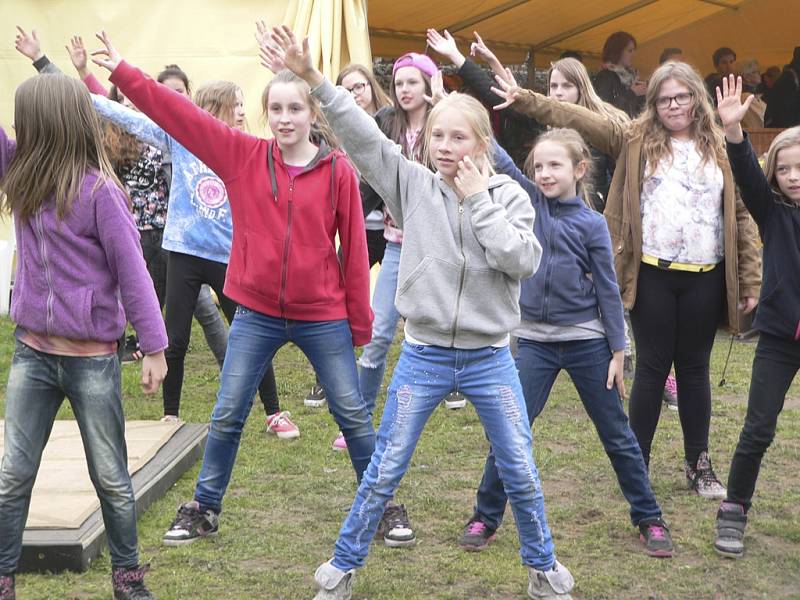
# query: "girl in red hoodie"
x,y
289,198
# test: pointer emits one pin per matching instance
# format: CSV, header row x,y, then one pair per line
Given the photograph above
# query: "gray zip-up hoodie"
x,y
461,263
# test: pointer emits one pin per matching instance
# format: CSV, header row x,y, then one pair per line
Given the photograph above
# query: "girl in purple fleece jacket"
x,y
80,276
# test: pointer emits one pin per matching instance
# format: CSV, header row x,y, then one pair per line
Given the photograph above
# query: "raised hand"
x,y
108,57
479,48
437,89
730,107
509,90
296,56
469,179
446,46
78,55
28,44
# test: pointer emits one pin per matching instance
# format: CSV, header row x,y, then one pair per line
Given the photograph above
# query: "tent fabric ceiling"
x,y
513,27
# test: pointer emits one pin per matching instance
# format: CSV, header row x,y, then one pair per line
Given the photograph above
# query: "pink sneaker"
x,y
339,443
671,392
280,425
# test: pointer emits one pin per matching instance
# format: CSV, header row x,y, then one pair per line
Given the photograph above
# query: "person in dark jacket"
x,y
618,82
773,198
783,99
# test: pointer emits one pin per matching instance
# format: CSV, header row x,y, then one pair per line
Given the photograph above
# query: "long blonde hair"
x,y
577,150
785,139
708,135
320,129
575,72
219,99
59,139
477,117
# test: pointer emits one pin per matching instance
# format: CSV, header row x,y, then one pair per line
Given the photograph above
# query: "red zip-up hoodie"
x,y
283,257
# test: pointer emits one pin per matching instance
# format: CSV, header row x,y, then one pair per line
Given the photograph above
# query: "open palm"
x,y
730,107
296,56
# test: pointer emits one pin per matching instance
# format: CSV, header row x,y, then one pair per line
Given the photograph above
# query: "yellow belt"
x,y
676,266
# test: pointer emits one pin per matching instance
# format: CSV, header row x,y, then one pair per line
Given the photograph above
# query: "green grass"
x,y
287,500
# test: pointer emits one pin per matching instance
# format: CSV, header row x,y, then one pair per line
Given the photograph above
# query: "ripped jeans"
x,y
423,377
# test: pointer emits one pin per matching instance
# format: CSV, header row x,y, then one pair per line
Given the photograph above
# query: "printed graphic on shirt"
x,y
210,197
146,183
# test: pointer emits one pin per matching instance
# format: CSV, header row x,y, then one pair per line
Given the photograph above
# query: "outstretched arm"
x,y
79,57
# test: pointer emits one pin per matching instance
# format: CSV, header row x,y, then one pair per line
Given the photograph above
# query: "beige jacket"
x,y
623,215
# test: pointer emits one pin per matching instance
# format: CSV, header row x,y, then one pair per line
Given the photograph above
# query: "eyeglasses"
x,y
358,88
681,99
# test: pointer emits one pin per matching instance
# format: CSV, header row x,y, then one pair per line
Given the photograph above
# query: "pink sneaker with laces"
x,y
671,392
282,426
339,443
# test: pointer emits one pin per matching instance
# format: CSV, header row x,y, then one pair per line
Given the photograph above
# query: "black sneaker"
x,y
395,528
731,521
190,525
131,353
7,587
455,400
316,397
477,536
656,538
129,584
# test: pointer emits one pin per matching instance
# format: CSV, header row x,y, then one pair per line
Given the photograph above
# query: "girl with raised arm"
x,y
468,241
684,246
772,196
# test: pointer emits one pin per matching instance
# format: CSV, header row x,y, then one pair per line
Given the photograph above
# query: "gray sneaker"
x,y
333,583
455,400
555,583
731,521
702,478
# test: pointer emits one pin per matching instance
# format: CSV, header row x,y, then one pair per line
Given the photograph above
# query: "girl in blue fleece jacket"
x,y
571,320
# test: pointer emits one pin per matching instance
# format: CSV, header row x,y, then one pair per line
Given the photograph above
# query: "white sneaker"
x,y
555,583
333,583
455,400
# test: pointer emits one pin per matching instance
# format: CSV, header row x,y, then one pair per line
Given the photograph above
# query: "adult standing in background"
x,y
618,82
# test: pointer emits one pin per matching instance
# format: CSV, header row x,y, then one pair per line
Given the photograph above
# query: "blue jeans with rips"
x,y
586,361
253,340
423,377
37,385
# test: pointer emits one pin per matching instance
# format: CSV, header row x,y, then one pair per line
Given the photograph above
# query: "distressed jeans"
x,y
254,338
37,385
423,377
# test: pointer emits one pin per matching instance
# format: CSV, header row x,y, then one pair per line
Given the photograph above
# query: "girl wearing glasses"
x,y
684,246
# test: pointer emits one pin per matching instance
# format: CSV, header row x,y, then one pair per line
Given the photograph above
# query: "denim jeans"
x,y
423,377
253,340
775,366
586,361
37,385
372,363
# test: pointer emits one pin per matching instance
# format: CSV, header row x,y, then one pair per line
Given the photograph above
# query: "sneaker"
x,y
131,353
627,367
316,397
170,419
703,480
656,538
339,443
671,393
129,584
190,525
396,528
477,536
555,583
731,521
333,583
455,400
280,425
7,587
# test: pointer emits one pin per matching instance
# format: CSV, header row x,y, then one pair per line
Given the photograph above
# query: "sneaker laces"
x,y
671,385
396,516
476,527
281,418
184,517
656,531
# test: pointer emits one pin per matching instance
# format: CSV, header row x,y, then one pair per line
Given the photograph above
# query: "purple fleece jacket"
x,y
83,277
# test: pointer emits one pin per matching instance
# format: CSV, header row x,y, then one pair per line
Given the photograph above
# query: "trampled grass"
x,y
287,500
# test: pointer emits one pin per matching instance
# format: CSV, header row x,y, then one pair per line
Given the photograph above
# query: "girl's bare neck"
x,y
416,118
300,154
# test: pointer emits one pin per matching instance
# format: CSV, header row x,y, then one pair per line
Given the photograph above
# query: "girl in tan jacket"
x,y
684,246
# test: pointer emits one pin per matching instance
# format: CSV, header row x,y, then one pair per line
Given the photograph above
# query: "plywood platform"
x,y
65,528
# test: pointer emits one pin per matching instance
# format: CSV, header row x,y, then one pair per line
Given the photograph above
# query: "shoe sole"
x,y
338,449
720,496
285,435
655,553
187,541
315,403
727,553
399,543
455,405
475,548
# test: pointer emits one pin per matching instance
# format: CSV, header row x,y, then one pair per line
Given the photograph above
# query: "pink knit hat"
x,y
423,62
